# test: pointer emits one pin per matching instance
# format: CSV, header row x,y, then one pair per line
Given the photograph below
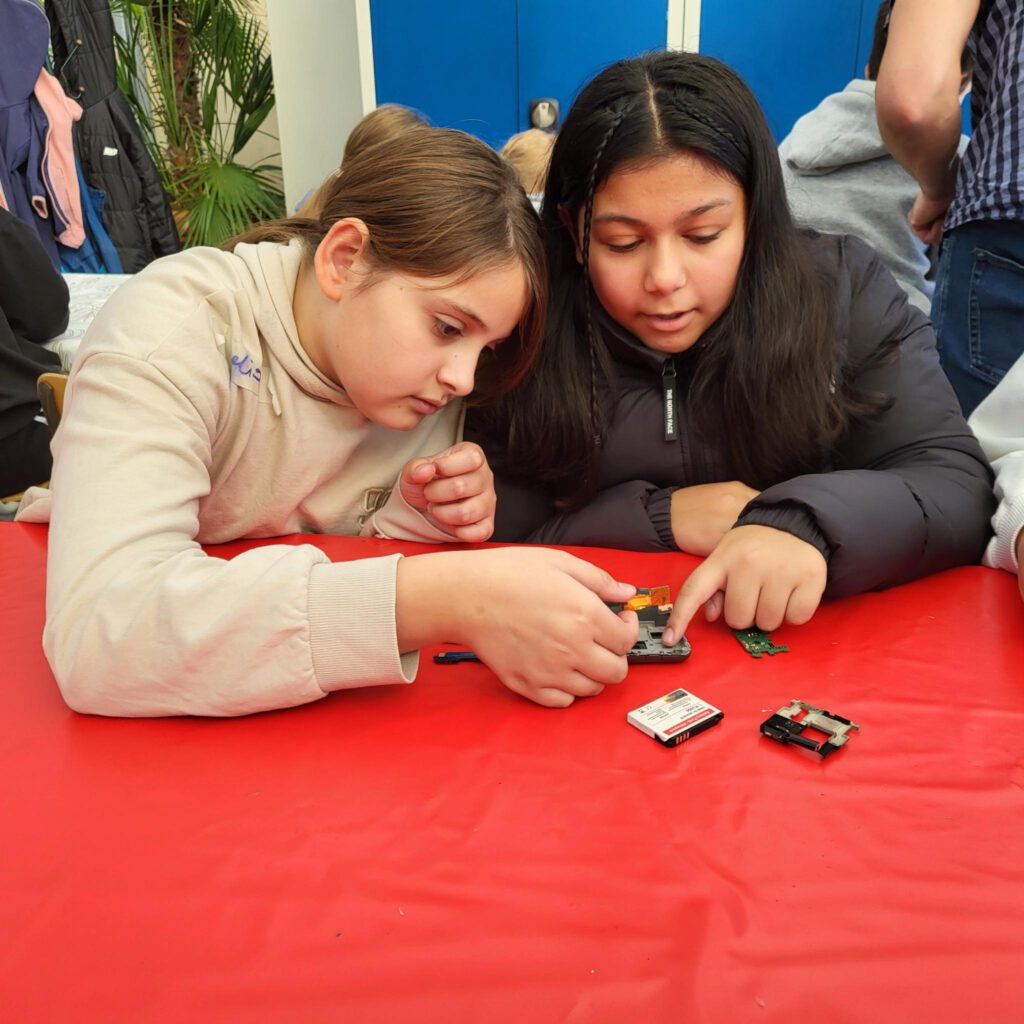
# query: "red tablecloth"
x,y
449,852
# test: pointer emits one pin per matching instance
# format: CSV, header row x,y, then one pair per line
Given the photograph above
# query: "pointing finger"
x,y
704,582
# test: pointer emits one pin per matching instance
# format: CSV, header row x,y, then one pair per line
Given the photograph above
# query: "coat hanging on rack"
x,y
23,125
110,148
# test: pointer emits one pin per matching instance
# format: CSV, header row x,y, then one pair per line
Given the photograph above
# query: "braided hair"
x,y
778,326
596,416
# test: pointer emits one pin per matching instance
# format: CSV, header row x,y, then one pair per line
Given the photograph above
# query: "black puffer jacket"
x,y
108,143
906,494
33,308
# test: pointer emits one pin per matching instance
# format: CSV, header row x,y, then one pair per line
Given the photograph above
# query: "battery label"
x,y
674,718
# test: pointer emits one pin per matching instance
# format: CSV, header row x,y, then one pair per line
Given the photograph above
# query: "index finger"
x,y
703,583
460,458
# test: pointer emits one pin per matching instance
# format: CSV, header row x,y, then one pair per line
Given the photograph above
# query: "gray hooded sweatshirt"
x,y
841,179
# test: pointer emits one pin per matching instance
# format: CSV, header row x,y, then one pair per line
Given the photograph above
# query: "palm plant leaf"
x,y
225,198
210,90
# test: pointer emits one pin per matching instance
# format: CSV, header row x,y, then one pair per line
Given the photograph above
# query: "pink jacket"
x,y
58,169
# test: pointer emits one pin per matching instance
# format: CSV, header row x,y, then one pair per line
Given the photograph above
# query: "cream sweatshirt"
x,y
193,416
999,425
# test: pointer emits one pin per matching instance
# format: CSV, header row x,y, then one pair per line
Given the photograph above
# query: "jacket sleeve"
x,y
999,425
140,621
635,515
161,228
911,491
33,296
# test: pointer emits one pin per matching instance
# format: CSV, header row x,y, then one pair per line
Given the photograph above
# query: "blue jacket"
x,y
24,38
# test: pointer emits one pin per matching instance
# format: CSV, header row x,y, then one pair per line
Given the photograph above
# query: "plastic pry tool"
x,y
756,642
783,727
454,657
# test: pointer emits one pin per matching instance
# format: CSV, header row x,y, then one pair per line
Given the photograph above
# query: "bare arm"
x,y
918,92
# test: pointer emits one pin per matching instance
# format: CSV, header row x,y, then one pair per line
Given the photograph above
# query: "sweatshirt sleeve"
x,y
910,493
398,520
140,620
998,423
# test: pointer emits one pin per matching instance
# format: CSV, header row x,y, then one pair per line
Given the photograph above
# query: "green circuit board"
x,y
756,642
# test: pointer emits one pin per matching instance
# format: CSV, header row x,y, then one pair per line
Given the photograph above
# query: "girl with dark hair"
x,y
308,379
714,381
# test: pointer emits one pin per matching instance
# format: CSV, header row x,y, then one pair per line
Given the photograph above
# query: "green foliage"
x,y
198,77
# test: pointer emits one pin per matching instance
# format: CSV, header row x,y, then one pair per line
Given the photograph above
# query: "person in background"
x,y
529,153
975,206
33,309
715,381
840,177
998,423
307,379
379,125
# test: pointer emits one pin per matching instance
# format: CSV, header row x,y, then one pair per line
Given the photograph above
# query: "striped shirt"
x,y
990,185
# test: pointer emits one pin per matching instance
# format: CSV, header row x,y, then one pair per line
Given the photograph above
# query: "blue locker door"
x,y
792,53
563,44
477,67
456,63
868,13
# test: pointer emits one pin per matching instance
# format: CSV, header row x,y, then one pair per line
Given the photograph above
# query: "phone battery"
x,y
675,718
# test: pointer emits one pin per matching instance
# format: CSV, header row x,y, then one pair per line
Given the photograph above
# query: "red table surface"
x,y
450,852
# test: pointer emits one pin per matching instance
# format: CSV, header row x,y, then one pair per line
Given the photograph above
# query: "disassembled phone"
x,y
653,606
785,727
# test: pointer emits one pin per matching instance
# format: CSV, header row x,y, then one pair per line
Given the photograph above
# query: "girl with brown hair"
x,y
307,379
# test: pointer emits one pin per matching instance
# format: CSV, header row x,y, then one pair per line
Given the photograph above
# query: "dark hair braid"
x,y
588,213
690,109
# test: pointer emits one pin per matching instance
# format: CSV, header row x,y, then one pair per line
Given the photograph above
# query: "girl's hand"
x,y
757,576
455,489
536,617
704,514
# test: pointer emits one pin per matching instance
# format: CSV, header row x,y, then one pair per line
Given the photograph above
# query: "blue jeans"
x,y
978,308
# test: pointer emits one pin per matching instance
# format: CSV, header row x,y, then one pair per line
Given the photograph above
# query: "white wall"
x,y
323,82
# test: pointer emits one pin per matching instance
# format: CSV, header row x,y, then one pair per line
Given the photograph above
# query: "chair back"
x,y
50,387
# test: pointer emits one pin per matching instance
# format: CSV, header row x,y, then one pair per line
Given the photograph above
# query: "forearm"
x,y
421,617
925,140
918,92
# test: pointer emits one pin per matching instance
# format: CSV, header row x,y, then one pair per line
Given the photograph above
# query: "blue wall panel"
x,y
792,53
476,66
456,63
564,43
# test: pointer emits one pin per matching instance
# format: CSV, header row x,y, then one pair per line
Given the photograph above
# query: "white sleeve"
x,y
140,621
999,425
